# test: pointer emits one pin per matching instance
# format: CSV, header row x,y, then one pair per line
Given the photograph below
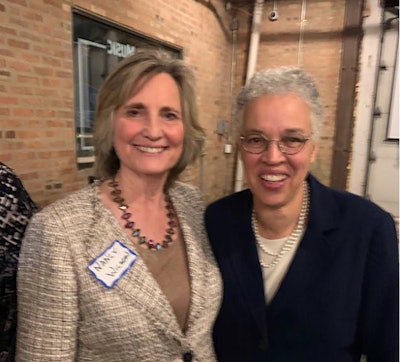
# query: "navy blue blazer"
x,y
339,298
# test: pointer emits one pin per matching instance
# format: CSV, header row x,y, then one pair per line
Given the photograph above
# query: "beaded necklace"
x,y
291,240
129,224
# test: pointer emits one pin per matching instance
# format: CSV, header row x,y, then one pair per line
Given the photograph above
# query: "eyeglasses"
x,y
258,143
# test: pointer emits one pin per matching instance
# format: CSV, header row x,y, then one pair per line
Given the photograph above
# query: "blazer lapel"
x,y
315,249
138,285
199,272
245,265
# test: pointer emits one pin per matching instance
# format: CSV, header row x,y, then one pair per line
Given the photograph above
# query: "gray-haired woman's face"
x,y
276,174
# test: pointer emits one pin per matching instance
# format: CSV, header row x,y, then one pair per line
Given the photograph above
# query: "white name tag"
x,y
111,265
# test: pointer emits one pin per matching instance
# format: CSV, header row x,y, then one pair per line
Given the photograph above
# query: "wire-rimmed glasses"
x,y
257,143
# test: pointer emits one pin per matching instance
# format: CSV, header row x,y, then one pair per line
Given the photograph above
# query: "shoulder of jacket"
x,y
184,190
74,204
340,205
241,197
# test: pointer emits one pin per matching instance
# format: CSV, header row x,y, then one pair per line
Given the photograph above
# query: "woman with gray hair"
x,y
309,273
122,270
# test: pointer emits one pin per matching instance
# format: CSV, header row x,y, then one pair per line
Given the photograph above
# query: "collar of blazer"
x,y
138,286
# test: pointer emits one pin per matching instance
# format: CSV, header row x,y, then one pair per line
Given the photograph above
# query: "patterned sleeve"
x,y
16,209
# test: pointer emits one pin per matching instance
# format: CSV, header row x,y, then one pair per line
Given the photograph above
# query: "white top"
x,y
274,275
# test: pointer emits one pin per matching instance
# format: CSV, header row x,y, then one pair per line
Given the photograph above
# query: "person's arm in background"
x,y
16,209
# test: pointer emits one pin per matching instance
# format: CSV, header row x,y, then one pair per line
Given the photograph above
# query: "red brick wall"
x,y
36,91
36,77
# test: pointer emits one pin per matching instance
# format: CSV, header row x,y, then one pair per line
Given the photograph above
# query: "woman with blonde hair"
x,y
122,270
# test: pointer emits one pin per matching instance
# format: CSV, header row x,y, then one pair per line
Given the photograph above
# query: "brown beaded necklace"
x,y
129,224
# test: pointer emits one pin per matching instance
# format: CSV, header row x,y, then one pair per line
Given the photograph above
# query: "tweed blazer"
x,y
66,314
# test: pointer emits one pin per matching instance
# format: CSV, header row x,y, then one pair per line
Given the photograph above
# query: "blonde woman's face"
x,y
149,130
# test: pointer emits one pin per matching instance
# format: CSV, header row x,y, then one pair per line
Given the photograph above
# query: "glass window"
x,y
98,47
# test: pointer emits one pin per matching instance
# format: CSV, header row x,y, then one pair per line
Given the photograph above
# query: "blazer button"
x,y
187,357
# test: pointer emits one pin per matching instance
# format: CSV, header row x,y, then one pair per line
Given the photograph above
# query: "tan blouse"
x,y
170,269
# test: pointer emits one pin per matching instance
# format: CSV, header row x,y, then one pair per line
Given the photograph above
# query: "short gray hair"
x,y
283,80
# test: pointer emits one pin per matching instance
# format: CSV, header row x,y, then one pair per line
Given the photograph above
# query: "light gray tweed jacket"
x,y
65,314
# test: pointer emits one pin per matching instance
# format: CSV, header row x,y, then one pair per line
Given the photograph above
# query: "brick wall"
x,y
36,84
37,136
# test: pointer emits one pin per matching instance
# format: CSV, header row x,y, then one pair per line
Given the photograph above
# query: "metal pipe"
x,y
301,37
251,65
234,28
255,38
373,109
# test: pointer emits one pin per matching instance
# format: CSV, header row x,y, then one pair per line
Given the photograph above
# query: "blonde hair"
x,y
126,80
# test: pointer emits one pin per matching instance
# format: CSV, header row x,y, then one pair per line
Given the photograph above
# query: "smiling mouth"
x,y
273,178
150,149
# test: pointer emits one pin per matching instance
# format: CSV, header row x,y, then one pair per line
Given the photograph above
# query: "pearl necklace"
x,y
129,224
291,240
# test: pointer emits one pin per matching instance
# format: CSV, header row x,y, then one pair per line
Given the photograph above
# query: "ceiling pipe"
x,y
251,66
